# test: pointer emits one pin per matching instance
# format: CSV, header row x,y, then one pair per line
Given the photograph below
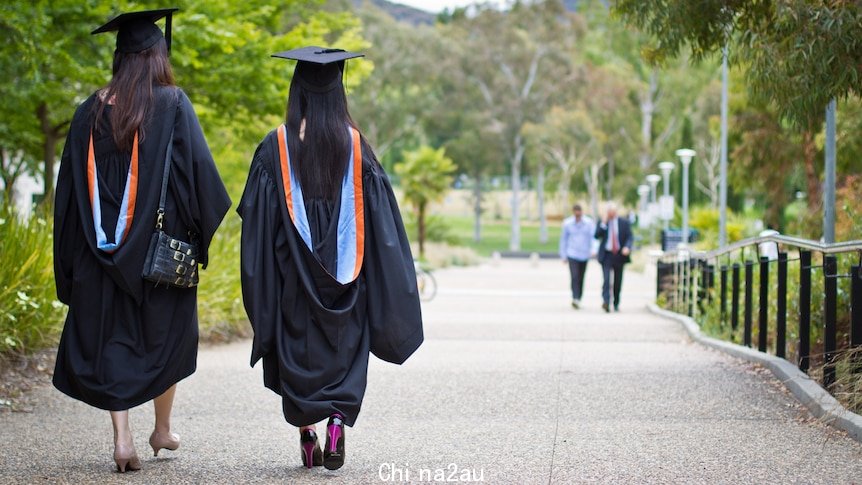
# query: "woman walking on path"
x,y
127,341
327,272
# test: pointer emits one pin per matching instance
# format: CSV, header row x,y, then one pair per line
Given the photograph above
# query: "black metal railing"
x,y
686,284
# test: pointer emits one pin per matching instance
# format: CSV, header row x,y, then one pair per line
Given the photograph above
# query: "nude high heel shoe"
x,y
168,441
126,458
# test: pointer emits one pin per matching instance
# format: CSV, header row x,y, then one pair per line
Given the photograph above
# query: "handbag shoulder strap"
x,y
160,213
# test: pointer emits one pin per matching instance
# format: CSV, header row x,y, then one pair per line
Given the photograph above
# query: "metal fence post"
x,y
804,310
723,294
659,273
691,279
734,305
710,282
684,294
830,316
686,286
749,282
781,316
763,313
856,314
856,306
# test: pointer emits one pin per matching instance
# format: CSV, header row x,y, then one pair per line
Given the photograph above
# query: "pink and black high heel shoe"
x,y
311,454
333,454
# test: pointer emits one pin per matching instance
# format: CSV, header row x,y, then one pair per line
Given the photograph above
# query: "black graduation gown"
x,y
313,333
126,341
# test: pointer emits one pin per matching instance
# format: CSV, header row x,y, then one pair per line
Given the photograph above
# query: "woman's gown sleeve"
x,y
199,188
395,317
262,240
66,227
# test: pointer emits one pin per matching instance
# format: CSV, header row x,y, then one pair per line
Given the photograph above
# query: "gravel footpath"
x,y
511,386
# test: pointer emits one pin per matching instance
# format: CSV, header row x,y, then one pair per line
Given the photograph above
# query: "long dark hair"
x,y
131,87
321,157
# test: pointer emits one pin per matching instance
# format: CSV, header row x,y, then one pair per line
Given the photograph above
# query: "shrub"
x,y
437,229
30,315
849,385
705,220
31,318
220,310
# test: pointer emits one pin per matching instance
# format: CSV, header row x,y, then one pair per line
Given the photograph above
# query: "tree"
x,y
516,61
568,140
705,131
799,54
425,177
51,62
220,55
391,103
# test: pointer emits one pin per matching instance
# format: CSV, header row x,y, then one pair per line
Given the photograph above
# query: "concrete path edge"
x,y
821,404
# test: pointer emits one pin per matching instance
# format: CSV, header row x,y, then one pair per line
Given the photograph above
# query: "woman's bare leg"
x,y
122,430
162,436
125,455
163,405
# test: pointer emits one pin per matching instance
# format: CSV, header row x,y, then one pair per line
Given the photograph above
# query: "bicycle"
x,y
425,282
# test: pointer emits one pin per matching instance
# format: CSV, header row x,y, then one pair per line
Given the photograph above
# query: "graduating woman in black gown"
x,y
126,341
327,272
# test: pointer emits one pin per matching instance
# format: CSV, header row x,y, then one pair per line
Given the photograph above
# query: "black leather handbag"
x,y
170,260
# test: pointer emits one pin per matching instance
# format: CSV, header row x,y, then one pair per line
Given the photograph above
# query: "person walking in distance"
x,y
576,248
615,245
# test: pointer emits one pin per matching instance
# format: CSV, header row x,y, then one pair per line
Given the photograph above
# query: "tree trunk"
x,y
809,154
540,193
9,188
420,223
52,136
591,177
515,238
10,175
609,183
647,106
477,209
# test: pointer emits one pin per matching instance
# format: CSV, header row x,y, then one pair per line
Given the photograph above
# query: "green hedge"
x,y
31,317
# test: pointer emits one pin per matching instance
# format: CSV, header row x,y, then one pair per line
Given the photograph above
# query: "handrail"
x,y
825,248
687,280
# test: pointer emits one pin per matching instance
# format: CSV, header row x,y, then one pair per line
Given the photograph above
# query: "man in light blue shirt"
x,y
576,248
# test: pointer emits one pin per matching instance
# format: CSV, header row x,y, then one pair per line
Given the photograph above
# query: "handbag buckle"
x,y
181,270
175,245
178,256
179,281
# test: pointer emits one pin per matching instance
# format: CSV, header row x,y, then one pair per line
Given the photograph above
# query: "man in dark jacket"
x,y
615,246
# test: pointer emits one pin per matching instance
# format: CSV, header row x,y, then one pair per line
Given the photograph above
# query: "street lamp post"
x,y
653,180
653,208
685,155
667,212
643,219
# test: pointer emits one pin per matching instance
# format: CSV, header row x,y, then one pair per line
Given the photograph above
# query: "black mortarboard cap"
x,y
319,68
137,31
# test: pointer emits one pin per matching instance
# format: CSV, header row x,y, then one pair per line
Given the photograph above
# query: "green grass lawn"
x,y
495,235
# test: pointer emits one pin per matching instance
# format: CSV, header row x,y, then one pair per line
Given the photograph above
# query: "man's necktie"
x,y
615,245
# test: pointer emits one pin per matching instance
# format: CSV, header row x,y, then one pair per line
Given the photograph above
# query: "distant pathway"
x,y
512,385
